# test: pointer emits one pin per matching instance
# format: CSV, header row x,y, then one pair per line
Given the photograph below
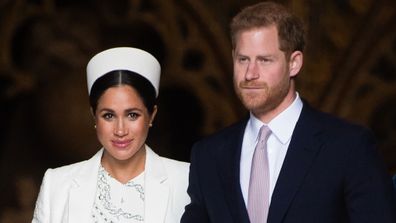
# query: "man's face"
x,y
262,77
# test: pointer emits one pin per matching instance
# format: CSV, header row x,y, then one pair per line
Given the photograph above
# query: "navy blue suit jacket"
x,y
332,173
394,183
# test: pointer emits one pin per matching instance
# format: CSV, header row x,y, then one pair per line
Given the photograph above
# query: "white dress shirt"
x,y
282,127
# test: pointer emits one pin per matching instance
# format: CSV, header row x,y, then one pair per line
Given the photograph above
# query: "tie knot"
x,y
264,133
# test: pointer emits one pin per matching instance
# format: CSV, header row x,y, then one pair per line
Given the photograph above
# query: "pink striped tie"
x,y
258,198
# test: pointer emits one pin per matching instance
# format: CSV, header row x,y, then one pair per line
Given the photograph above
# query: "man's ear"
x,y
295,63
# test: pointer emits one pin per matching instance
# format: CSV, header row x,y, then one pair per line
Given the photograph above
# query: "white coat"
x,y
67,193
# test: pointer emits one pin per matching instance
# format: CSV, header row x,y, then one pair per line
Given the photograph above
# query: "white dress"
x,y
117,202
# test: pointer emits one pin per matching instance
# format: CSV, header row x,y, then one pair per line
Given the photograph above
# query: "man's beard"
x,y
263,99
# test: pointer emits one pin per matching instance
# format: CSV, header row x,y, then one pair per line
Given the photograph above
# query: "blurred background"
x,y
349,71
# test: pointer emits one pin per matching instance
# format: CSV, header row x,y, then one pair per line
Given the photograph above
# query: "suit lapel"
x,y
303,149
83,189
156,189
228,159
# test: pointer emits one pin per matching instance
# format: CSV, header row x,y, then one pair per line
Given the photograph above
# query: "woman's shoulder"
x,y
63,175
167,163
176,171
175,164
67,169
75,168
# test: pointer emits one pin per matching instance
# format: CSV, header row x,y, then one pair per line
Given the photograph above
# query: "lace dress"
x,y
116,202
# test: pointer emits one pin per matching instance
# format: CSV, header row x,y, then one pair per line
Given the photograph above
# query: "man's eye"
x,y
242,59
264,60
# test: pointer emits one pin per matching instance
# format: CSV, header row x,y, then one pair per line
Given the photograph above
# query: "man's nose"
x,y
252,71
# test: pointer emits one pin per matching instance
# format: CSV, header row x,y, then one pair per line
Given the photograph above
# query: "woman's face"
x,y
122,122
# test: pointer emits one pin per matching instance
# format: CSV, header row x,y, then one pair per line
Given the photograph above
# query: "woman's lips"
x,y
121,144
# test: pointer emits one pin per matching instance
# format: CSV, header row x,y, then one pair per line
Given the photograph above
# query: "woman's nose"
x,y
120,129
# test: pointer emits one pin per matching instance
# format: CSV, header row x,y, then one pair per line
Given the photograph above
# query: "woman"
x,y
125,181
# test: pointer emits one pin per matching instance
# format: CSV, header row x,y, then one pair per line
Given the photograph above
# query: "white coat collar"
x,y
157,188
82,192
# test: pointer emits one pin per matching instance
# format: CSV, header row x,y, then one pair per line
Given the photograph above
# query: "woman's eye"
x,y
107,116
133,115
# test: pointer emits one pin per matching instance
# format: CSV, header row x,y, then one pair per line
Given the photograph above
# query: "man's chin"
x,y
252,105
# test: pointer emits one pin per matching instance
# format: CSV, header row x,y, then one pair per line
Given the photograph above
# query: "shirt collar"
x,y
283,124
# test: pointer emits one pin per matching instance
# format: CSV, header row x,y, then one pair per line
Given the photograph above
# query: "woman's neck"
x,y
124,170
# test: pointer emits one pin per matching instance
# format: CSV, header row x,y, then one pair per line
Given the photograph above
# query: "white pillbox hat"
x,y
124,58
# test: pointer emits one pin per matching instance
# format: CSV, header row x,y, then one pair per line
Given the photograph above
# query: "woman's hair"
x,y
143,87
290,28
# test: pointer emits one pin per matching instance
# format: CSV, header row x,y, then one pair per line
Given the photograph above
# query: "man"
x,y
394,182
315,168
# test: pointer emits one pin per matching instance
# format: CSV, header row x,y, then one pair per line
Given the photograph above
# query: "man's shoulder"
x,y
233,130
330,123
223,138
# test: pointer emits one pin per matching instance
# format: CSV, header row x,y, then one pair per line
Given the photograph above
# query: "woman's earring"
x,y
151,124
95,126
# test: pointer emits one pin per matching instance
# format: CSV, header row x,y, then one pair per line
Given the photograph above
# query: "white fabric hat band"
x,y
124,58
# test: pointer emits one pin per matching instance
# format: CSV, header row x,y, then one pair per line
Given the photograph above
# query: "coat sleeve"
x,y
195,212
42,209
368,186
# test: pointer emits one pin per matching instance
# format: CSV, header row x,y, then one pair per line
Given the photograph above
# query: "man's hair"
x,y
290,28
